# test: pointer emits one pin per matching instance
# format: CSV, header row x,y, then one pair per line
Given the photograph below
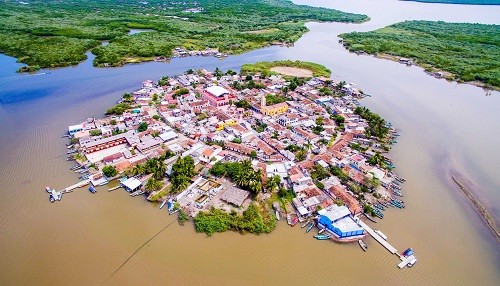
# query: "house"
x,y
131,184
209,153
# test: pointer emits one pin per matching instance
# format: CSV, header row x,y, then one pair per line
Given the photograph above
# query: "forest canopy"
x,y
470,52
58,33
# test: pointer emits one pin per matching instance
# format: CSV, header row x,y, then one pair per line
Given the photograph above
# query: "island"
x,y
456,51
53,33
238,151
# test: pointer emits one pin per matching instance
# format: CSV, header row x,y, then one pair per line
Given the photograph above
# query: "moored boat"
x,y
322,236
310,227
412,262
162,204
305,224
92,190
408,252
277,215
372,219
363,245
295,220
381,234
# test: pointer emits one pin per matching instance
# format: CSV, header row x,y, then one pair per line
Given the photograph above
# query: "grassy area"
x,y
470,52
265,67
468,2
56,33
253,220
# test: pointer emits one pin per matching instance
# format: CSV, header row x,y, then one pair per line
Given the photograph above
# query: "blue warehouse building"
x,y
337,220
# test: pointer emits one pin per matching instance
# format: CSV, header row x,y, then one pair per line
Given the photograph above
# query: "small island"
x,y
46,34
238,151
455,51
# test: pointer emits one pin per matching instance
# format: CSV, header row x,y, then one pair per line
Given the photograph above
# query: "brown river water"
x,y
84,238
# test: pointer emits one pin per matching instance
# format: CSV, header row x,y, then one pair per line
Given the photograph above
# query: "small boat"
x,y
305,224
322,236
321,230
310,227
289,219
162,204
76,167
370,217
381,234
408,252
70,146
412,262
295,220
92,190
277,215
48,189
363,245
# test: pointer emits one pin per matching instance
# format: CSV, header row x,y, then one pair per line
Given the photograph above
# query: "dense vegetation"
x,y
265,67
182,172
471,52
253,220
377,125
242,173
469,2
57,33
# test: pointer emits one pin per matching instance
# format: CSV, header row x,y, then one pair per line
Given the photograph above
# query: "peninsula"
x,y
456,51
58,33
237,151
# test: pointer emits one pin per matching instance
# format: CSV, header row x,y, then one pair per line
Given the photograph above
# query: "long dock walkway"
x,y
378,238
77,185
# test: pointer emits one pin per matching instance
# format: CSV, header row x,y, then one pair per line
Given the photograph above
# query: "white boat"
x,y
363,245
162,204
277,215
381,234
412,262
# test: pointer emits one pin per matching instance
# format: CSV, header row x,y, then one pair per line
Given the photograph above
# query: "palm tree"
x,y
273,183
152,185
241,179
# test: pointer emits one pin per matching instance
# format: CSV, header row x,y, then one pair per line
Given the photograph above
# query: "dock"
x,y
75,186
405,261
378,238
115,188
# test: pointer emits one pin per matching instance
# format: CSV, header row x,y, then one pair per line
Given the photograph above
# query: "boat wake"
x,y
138,249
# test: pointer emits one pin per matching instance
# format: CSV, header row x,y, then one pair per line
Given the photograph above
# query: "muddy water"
x,y
85,238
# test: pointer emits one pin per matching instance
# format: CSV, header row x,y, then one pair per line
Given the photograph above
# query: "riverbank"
x,y
449,50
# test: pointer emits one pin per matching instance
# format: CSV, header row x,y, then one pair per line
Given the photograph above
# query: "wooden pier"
x,y
405,261
378,238
75,186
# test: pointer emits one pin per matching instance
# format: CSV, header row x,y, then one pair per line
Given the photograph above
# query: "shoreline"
x,y
482,210
448,76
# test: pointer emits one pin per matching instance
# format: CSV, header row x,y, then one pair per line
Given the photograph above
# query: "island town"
x,y
240,151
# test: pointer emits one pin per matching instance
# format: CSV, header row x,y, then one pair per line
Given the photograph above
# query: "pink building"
x,y
217,95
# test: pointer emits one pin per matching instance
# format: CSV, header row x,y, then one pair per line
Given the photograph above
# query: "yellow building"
x,y
222,124
274,109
